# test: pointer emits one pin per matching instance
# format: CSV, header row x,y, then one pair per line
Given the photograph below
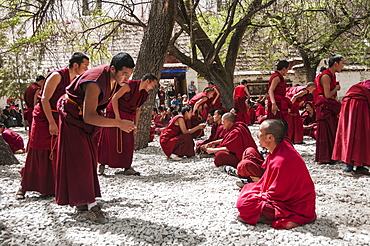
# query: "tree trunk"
x,y
151,58
6,157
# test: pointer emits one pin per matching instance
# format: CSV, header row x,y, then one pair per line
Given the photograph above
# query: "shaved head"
x,y
276,127
229,116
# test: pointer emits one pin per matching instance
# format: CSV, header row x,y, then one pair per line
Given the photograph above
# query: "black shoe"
x,y
231,171
241,183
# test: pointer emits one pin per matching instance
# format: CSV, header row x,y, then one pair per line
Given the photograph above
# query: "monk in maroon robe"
x,y
250,113
38,173
76,170
229,150
217,132
309,120
198,103
176,140
297,96
285,196
327,108
261,113
116,147
278,104
352,142
241,93
30,98
13,139
214,102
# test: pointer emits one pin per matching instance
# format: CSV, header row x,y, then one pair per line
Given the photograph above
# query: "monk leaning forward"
x,y
77,181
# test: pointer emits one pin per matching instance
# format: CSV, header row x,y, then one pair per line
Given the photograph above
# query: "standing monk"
x,y
215,101
241,93
327,108
285,196
116,147
278,104
229,150
30,98
38,173
77,181
297,96
352,142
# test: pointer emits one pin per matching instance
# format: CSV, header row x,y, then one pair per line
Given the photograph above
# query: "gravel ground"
x,y
182,203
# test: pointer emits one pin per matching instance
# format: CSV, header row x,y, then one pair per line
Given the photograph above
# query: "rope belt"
x,y
78,106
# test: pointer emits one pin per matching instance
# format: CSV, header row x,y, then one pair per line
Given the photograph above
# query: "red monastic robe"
x,y
38,173
239,98
236,141
251,164
295,125
308,120
327,110
352,142
173,141
29,95
282,102
292,197
116,147
217,132
77,180
14,140
198,117
250,116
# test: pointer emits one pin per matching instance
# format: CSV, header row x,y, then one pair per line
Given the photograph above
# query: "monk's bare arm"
x,y
217,96
199,102
325,82
49,88
124,89
299,94
35,97
247,92
184,130
215,150
137,118
92,92
275,81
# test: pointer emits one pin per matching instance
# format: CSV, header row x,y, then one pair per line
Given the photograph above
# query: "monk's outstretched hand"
x,y
126,125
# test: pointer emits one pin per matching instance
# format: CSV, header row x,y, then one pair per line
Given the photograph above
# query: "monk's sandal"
x,y
96,215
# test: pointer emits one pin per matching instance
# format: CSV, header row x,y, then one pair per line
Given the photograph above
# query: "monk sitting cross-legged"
x,y
229,150
285,196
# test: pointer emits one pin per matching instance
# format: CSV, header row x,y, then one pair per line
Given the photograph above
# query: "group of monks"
x,y
84,117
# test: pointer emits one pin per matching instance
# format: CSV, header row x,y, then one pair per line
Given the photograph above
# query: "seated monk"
x,y
217,131
285,196
250,114
250,168
309,120
229,150
238,116
176,140
261,112
13,139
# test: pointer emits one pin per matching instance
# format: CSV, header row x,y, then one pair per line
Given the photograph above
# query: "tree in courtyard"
x,y
318,29
213,53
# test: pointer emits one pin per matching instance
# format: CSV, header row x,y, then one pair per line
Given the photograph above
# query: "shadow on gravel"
x,y
142,231
321,227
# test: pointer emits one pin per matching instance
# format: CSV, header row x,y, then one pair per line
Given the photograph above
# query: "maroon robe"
x,y
198,118
291,198
250,116
77,180
217,132
239,98
38,173
14,140
236,141
281,101
327,110
29,96
308,120
352,142
295,125
173,141
251,164
116,147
